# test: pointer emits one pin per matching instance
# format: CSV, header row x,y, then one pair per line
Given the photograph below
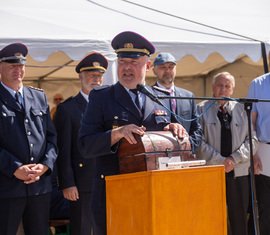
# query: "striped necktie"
x,y
172,101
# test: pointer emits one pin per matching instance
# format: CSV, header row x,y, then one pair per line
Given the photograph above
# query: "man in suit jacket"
x,y
27,148
74,171
183,111
115,112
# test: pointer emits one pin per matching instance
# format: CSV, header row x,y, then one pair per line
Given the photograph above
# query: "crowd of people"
x,y
63,158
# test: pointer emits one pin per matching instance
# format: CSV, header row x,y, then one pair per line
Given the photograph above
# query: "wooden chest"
x,y
144,155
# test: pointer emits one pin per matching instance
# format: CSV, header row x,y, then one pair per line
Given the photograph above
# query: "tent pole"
x,y
53,71
264,56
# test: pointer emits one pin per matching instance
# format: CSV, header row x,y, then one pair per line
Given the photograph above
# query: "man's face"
x,y
132,71
165,74
223,87
12,74
90,79
57,99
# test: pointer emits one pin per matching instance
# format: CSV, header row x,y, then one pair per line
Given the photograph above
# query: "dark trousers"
x,y
81,215
32,211
98,206
263,198
237,197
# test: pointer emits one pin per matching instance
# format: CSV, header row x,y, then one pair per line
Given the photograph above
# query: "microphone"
x,y
144,90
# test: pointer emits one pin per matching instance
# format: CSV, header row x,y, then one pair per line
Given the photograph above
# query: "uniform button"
x,y
102,176
32,159
26,120
40,113
4,114
29,133
31,145
80,165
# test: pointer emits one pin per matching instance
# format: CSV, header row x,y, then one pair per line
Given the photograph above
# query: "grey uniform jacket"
x,y
210,147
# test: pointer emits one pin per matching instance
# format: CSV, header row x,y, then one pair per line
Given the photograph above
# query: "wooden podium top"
x,y
167,171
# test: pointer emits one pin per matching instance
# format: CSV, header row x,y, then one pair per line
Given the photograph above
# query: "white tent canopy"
x,y
59,33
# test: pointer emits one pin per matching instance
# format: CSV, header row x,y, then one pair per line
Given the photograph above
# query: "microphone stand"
x,y
248,107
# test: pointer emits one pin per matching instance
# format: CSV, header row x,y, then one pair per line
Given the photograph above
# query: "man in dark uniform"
x,y
27,148
74,171
117,112
183,110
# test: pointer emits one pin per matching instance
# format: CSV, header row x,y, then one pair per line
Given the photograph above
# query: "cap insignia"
x,y
128,45
18,54
96,64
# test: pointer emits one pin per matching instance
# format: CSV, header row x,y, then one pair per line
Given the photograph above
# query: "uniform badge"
x,y
128,45
96,64
160,112
18,54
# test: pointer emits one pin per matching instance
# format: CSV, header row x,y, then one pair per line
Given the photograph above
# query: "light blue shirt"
x,y
141,97
84,95
11,91
260,89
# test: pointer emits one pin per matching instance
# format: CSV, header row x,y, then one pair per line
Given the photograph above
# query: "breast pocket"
x,y
39,116
7,122
240,130
185,114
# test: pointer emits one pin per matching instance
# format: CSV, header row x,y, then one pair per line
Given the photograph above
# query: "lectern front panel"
x,y
187,201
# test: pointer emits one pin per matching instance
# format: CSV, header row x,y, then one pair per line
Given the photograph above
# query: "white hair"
x,y
226,75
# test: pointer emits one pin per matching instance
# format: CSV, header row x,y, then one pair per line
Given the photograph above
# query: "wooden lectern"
x,y
189,201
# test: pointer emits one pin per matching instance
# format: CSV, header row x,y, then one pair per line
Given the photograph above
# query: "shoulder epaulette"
x,y
36,88
98,88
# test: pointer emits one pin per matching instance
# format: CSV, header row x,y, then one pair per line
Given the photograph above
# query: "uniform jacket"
x,y
108,107
187,114
210,147
25,137
73,169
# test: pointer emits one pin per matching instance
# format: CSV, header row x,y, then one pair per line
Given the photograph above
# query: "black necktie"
x,y
226,135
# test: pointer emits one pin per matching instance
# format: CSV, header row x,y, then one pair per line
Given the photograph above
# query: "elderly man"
x,y
183,110
75,172
27,148
119,111
226,141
